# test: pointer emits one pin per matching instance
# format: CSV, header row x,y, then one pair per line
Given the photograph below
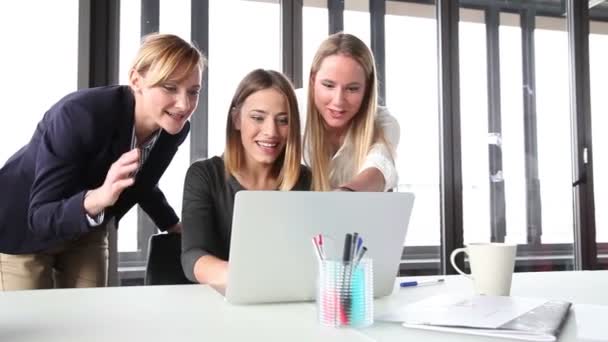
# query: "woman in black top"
x,y
263,152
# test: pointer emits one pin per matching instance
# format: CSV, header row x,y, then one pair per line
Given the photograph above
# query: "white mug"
x,y
492,265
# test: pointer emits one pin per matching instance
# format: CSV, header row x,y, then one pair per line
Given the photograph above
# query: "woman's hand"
x,y
175,229
119,177
211,270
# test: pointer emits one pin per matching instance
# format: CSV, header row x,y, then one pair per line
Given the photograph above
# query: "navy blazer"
x,y
74,145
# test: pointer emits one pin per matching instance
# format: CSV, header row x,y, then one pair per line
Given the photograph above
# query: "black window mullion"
x,y
199,133
335,15
377,10
496,180
533,200
98,43
150,16
291,40
449,130
585,248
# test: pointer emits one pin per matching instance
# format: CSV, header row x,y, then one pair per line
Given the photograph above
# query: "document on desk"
x,y
530,319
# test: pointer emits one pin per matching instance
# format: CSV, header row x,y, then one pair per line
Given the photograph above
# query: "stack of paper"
x,y
513,317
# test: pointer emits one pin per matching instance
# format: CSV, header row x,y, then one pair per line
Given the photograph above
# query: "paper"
x,y
458,311
531,319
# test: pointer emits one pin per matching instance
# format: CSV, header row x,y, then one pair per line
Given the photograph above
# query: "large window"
x,y
515,117
33,78
130,14
598,54
515,121
411,96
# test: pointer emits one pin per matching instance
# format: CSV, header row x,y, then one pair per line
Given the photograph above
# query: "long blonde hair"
x,y
160,55
287,164
362,131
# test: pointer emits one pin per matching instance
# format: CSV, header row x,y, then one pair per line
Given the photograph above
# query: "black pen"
x,y
360,256
346,260
348,241
353,246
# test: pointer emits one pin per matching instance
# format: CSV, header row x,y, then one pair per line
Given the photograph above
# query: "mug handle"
x,y
453,261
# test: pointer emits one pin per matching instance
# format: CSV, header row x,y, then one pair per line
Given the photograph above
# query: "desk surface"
x,y
199,313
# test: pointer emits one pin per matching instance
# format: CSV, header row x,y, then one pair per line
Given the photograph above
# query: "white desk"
x,y
198,313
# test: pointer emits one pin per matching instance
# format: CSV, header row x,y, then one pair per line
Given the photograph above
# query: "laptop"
x,y
272,258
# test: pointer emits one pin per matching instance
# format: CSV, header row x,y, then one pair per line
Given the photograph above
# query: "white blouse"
x,y
380,156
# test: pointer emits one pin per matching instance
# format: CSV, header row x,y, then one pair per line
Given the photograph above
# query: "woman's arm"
x,y
200,239
211,270
155,204
370,179
379,172
58,202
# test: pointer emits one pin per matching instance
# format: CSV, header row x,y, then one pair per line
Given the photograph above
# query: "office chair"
x,y
164,266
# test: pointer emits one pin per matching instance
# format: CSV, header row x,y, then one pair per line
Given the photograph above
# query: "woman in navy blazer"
x,y
94,155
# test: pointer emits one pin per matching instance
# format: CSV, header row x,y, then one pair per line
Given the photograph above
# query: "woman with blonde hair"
x,y
349,142
94,155
263,152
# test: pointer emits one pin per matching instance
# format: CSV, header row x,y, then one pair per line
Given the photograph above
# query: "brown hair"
x,y
288,163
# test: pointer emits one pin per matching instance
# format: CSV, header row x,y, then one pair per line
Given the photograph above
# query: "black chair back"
x,y
164,265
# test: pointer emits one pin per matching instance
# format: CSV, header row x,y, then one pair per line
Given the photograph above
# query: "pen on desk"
x,y
422,282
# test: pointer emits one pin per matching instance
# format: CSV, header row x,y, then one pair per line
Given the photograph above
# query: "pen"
x,y
317,249
353,246
346,255
321,246
422,282
359,243
360,255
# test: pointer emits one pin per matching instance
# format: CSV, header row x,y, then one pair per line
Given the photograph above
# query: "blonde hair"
x,y
362,130
287,164
160,55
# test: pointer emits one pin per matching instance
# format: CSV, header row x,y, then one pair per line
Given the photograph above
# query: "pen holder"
x,y
345,293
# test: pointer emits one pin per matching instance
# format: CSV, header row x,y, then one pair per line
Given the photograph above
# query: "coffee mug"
x,y
492,265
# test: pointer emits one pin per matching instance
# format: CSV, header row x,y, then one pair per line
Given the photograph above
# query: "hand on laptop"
x,y
211,270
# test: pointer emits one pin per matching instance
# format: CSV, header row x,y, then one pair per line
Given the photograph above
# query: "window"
x,y
411,96
130,14
233,53
356,19
598,52
34,79
314,31
175,19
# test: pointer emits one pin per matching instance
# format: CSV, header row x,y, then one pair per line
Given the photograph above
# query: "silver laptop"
x,y
272,258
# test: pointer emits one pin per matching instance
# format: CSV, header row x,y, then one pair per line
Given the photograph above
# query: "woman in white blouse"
x,y
349,142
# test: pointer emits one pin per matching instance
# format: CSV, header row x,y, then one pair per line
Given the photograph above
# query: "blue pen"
x,y
423,282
